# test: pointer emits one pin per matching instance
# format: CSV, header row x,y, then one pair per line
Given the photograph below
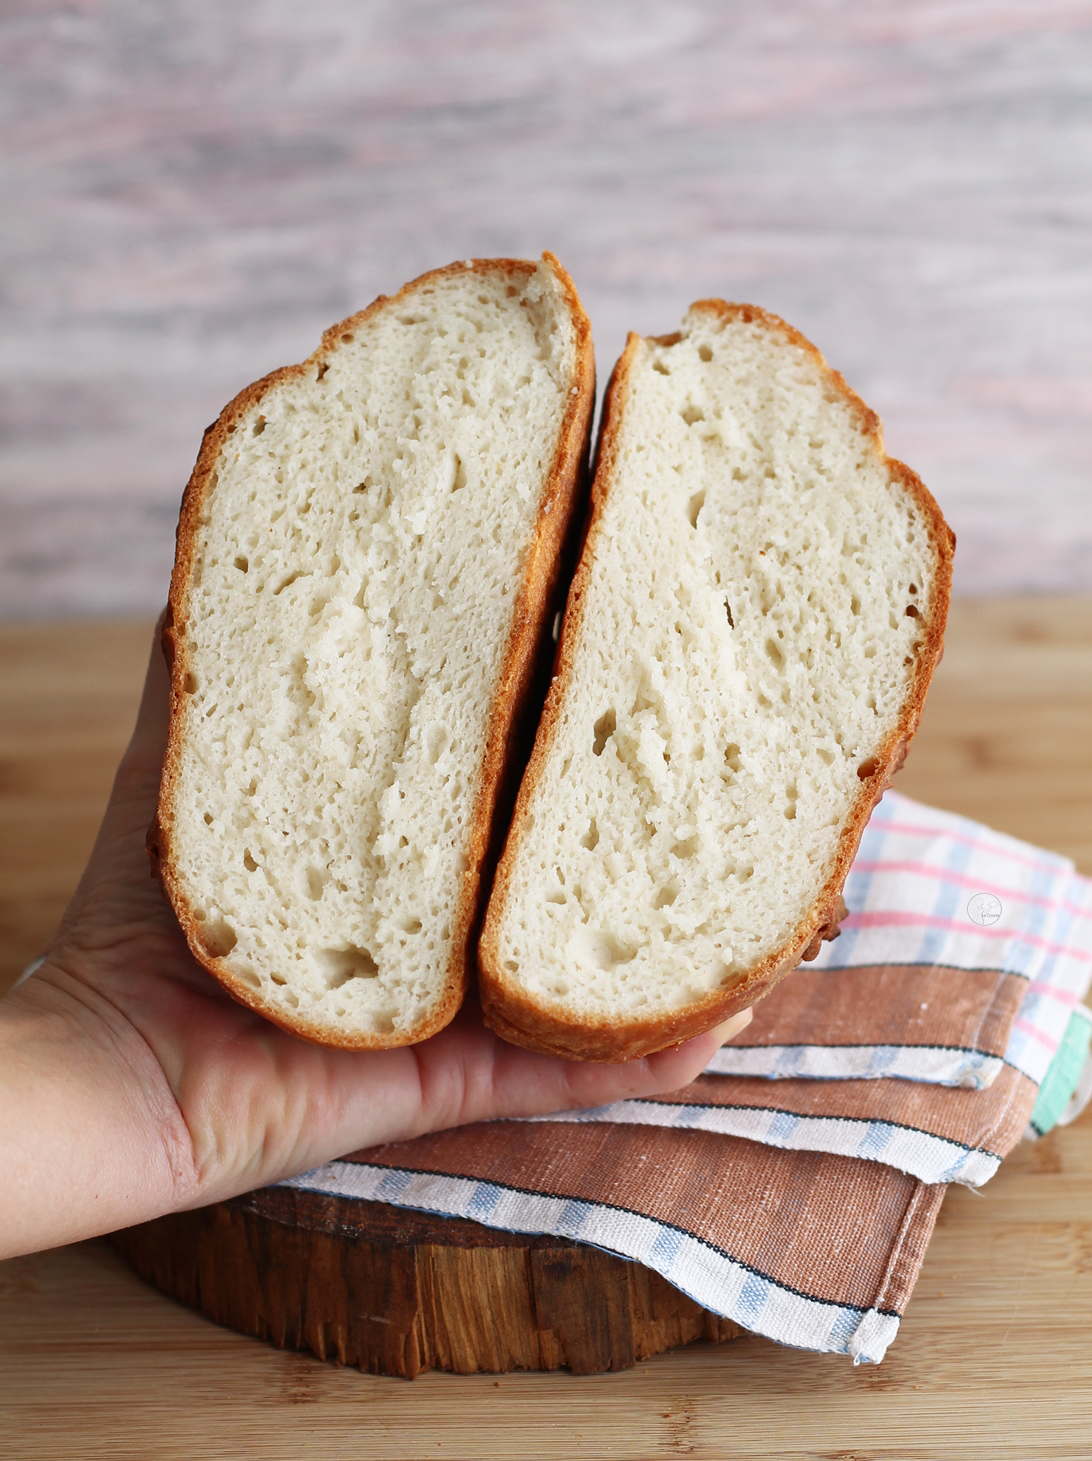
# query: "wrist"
x,y
92,1139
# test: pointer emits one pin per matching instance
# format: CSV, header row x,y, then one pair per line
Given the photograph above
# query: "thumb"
x,y
116,879
143,758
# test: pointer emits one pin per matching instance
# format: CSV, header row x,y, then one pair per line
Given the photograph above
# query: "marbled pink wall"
x,y
190,190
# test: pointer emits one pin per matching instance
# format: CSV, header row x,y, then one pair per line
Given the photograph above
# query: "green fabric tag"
x,y
1065,1070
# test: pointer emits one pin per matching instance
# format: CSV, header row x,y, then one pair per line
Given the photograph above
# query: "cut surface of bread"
x,y
366,557
748,639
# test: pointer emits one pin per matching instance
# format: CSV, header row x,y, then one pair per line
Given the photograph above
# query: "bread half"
x,y
757,611
367,555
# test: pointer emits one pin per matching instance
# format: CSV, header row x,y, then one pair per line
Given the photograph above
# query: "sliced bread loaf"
x,y
749,636
367,555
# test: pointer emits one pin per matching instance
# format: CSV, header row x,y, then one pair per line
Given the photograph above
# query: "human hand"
x,y
133,1085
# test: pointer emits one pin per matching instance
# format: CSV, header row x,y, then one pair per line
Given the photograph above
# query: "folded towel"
x,y
934,1133
801,1207
816,1251
964,949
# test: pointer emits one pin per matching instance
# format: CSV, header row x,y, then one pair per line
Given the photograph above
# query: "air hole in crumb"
x,y
189,684
217,938
249,863
292,999
208,819
667,895
347,339
258,427
315,879
590,839
691,414
660,368
338,966
287,582
689,848
732,757
608,951
774,654
854,605
323,368
511,966
704,353
242,564
459,481
605,727
868,768
913,588
363,486
411,925
728,611
248,976
912,611
694,507
436,743
827,757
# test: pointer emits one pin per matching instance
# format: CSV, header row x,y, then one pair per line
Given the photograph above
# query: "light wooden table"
x,y
994,1359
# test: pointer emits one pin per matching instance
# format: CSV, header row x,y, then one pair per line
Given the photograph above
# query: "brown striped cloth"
x,y
793,1187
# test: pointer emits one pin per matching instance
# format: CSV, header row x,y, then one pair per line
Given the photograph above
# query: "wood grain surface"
x,y
992,1361
194,191
397,1292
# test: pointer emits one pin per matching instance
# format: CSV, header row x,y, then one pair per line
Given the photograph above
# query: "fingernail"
x,y
732,1027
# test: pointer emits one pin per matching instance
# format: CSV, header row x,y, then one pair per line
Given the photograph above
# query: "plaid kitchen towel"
x,y
801,1207
964,949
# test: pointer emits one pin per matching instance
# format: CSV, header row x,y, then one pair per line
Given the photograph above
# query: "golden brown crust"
x,y
513,692
559,499
511,1013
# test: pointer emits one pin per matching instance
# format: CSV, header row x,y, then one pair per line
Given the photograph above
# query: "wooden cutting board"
x,y
397,1292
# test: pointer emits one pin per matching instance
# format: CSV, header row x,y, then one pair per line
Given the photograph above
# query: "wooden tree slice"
x,y
397,1292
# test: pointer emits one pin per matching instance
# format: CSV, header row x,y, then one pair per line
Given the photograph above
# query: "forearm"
x,y
91,1139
